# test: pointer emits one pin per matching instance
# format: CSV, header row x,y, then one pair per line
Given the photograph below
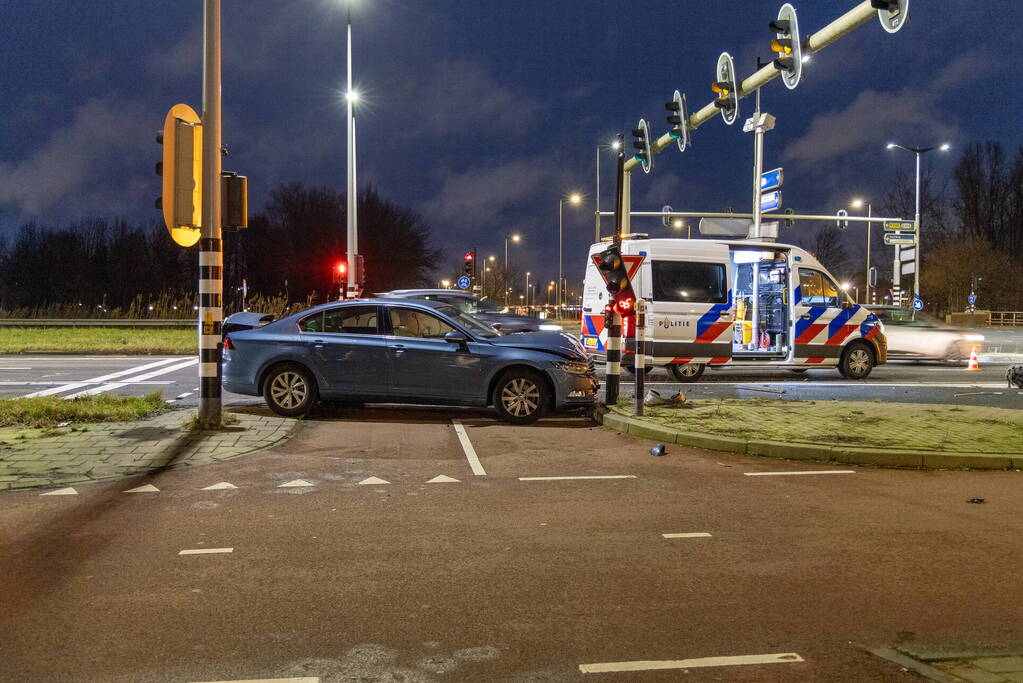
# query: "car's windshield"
x,y
467,321
904,316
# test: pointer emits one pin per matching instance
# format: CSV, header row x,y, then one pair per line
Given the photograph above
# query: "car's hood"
x,y
497,316
558,343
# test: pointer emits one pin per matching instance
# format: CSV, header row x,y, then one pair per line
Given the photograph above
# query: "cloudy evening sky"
x,y
482,114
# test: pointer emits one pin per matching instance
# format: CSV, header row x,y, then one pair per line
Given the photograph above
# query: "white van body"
x,y
702,306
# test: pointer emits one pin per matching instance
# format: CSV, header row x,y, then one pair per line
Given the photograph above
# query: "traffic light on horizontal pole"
x,y
642,144
786,44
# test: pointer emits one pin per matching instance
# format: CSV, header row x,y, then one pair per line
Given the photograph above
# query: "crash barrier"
x,y
1006,318
975,319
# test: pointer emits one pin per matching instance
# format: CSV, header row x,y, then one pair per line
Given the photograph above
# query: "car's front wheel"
x,y
686,372
857,361
521,396
289,390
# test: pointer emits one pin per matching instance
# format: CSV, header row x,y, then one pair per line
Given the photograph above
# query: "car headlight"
x,y
549,327
572,367
973,337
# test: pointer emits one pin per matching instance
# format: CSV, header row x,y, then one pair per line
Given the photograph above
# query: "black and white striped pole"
x,y
640,352
211,252
612,320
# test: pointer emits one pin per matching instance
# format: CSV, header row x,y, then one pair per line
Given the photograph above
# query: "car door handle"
x,y
399,348
805,316
318,343
725,314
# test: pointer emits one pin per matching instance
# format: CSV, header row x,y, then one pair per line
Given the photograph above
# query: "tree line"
x,y
291,250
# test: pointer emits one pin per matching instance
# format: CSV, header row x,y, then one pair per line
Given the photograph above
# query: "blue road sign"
x,y
918,304
770,201
464,282
771,179
972,299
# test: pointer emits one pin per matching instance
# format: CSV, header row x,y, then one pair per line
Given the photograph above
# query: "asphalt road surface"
x,y
176,377
711,566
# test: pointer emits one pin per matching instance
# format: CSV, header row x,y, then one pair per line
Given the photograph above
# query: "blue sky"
x,y
482,114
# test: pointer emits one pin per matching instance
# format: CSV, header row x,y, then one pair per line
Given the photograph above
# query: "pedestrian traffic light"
x,y
642,145
726,88
787,45
678,120
612,268
234,201
181,169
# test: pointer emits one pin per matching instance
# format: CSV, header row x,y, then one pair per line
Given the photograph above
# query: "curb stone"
x,y
807,451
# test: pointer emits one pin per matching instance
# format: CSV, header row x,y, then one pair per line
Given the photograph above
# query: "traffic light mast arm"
x,y
851,20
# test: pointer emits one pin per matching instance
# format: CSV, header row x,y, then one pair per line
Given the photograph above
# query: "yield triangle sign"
x,y
632,264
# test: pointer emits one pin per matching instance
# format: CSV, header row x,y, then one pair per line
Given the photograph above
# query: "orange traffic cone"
x,y
973,364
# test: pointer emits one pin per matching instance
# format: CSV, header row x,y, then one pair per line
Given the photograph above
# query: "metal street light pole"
x,y
527,291
350,97
596,234
858,203
574,199
918,151
513,238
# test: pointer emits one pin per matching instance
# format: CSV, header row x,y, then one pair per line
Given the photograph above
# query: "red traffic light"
x,y
625,307
468,256
342,268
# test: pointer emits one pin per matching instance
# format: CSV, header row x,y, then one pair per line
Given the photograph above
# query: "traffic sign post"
x,y
900,238
464,282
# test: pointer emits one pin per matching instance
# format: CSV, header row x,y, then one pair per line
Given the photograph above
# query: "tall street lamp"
x,y
351,97
513,238
527,290
944,147
858,204
573,198
483,282
614,145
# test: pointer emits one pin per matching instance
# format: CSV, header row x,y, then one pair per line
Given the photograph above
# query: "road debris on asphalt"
x,y
654,398
657,450
764,389
976,501
1014,376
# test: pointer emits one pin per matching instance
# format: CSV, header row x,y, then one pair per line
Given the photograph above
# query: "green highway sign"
x,y
902,226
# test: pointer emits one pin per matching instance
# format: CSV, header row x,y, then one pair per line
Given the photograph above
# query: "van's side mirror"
x,y
455,337
846,303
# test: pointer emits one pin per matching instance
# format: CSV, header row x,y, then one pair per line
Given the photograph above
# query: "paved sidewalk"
x,y
956,665
124,449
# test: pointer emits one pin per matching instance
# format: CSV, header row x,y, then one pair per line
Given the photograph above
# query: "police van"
x,y
740,304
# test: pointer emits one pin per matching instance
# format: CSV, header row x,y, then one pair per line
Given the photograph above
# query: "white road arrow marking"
x,y
373,480
147,488
69,491
442,479
220,486
295,483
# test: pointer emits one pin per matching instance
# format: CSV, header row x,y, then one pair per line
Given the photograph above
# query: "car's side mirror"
x,y
455,337
496,326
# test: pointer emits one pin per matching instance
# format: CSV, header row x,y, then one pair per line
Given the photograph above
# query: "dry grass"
x,y
97,340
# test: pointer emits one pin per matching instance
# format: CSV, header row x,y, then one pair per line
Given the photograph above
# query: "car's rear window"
x,y
689,282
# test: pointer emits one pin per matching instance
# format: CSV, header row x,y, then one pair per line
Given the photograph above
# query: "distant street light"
x,y
944,147
513,238
573,198
527,289
858,204
445,284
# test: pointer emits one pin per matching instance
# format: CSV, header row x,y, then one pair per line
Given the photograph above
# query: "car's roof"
x,y
412,292
373,300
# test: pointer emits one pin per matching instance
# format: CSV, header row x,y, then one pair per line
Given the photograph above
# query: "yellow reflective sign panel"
x,y
182,174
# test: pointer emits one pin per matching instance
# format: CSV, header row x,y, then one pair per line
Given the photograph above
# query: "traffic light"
x,y
891,13
181,169
612,268
726,88
642,145
234,201
342,270
787,45
678,120
470,264
789,222
840,222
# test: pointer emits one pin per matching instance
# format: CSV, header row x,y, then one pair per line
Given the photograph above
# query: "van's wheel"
x,y
289,390
521,396
686,372
857,361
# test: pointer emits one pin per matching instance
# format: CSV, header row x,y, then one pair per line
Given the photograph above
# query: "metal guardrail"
x,y
97,322
1006,318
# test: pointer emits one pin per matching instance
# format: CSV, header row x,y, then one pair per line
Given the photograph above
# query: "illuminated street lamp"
x,y
573,198
858,204
614,145
944,147
516,239
446,284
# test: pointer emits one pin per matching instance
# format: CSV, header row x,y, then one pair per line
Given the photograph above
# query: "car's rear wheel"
x,y
686,372
857,361
521,396
289,390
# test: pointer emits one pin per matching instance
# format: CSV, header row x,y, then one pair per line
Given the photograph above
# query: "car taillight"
x,y
228,346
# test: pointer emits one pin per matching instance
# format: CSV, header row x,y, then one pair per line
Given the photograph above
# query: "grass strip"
x,y
51,411
97,340
910,426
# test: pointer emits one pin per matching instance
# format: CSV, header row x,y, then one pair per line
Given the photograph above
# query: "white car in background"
x,y
914,335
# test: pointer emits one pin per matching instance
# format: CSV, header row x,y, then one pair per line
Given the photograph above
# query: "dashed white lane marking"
x,y
102,378
470,452
785,474
595,476
372,480
693,534
69,491
702,662
145,488
2,369
139,378
295,483
222,485
184,395
442,479
206,551
302,679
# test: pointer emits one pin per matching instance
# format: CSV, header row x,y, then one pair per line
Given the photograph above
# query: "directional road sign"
x,y
902,226
464,282
770,201
769,180
900,238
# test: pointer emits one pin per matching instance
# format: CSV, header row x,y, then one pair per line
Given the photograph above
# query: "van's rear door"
x,y
691,314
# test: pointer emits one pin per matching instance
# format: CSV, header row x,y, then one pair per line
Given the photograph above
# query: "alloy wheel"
x,y
289,389
520,397
859,362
